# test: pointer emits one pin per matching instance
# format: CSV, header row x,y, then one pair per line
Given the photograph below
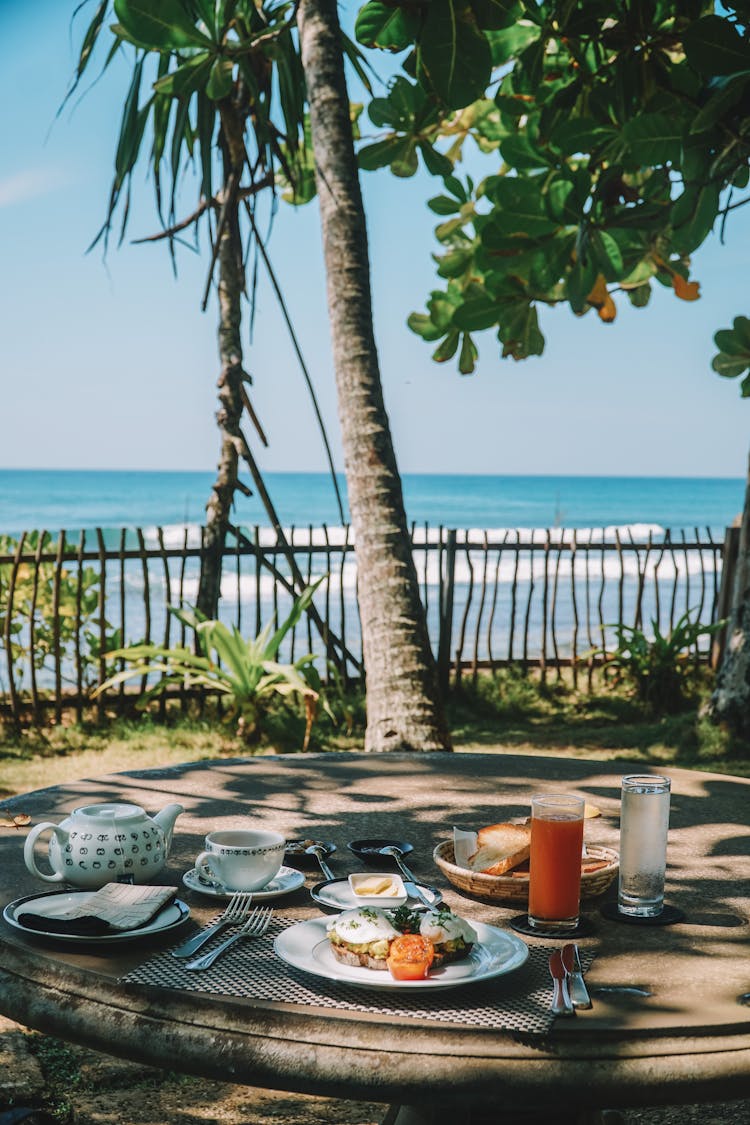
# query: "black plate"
x,y
295,850
367,850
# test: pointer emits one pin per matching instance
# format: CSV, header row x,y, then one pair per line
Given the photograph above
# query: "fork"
x,y
237,910
255,926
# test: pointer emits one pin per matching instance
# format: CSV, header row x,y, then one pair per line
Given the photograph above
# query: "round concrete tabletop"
x,y
681,1034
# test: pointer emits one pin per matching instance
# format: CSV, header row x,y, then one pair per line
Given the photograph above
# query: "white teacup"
x,y
240,860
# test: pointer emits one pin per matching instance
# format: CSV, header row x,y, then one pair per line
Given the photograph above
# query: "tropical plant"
x,y
217,86
245,672
55,607
404,709
659,665
226,78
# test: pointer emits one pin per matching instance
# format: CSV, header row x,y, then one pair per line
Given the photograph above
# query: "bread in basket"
x,y
513,889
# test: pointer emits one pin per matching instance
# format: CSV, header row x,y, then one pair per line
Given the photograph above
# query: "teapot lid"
x,y
112,811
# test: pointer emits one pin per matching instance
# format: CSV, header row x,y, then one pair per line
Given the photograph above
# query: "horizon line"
x,y
402,473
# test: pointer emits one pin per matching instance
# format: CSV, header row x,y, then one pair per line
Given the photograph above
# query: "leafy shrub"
x,y
74,608
245,672
660,666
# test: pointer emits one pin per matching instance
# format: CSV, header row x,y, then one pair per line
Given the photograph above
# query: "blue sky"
x,y
111,364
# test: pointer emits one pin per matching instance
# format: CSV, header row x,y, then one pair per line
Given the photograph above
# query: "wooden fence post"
x,y
726,588
445,638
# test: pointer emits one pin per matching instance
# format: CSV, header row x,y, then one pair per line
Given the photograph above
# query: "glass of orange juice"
x,y
555,863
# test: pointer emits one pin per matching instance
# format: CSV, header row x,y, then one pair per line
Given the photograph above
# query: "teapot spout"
x,y
165,819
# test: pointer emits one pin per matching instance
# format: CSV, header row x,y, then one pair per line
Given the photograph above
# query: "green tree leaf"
x,y
423,326
448,348
444,205
694,215
219,83
186,79
159,24
476,314
512,41
519,330
405,163
436,163
714,46
456,262
520,207
518,151
468,357
653,139
453,56
728,93
381,154
640,296
385,26
730,366
493,15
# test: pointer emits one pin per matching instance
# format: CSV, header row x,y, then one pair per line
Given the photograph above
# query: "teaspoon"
x,y
396,853
320,852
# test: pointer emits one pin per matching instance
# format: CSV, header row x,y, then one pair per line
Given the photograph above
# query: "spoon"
x,y
396,853
320,851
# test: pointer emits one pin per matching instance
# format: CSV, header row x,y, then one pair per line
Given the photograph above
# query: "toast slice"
x,y
501,847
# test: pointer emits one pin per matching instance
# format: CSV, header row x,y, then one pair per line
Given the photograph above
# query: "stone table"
x,y
682,1036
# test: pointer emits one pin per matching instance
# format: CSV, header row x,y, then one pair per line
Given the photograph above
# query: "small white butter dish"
x,y
378,889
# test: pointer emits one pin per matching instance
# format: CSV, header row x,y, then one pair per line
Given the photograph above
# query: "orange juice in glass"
x,y
555,863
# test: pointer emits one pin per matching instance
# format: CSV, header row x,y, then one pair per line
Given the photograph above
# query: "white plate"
x,y
287,880
338,894
306,946
54,903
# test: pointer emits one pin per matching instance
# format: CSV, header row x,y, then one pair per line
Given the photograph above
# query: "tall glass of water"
x,y
644,823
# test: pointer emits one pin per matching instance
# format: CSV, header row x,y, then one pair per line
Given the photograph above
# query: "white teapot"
x,y
100,844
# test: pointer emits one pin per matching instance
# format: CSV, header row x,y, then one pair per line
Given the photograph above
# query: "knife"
x,y
561,1003
579,994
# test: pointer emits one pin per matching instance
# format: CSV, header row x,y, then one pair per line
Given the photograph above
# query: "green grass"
x,y
521,714
507,713
58,1063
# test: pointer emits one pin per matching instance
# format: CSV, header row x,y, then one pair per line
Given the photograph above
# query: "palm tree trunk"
x,y
219,506
404,710
730,702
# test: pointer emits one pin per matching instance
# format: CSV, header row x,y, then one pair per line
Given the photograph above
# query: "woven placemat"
x,y
517,1002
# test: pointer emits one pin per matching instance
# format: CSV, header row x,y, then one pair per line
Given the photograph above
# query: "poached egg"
x,y
362,925
442,926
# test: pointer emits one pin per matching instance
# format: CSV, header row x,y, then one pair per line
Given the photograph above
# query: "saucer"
x,y
337,894
284,883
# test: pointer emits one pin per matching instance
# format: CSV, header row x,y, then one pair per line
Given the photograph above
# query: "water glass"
x,y
644,823
555,862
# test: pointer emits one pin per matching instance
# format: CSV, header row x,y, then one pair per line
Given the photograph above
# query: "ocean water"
x,y
70,499
605,559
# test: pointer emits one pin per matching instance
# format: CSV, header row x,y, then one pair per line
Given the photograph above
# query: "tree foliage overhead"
x,y
622,135
204,71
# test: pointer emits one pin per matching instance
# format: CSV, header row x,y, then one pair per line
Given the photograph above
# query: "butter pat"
x,y
381,889
376,886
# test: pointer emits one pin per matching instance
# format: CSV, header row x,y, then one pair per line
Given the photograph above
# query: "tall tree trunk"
x,y
231,286
404,710
730,702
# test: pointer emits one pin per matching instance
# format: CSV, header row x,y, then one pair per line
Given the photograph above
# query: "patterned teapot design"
x,y
100,844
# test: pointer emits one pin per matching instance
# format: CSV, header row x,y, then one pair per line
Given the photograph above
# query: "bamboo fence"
x,y
548,599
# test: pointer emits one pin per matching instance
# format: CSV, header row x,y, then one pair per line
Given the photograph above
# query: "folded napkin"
x,y
114,908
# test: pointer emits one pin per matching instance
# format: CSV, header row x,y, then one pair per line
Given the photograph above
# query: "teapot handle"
x,y
28,852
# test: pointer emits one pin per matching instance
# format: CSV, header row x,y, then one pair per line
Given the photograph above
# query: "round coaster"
x,y
520,923
668,916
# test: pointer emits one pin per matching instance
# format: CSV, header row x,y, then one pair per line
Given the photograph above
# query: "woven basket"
x,y
514,889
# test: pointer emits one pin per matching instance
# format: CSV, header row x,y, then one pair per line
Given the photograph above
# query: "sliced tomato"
x,y
410,957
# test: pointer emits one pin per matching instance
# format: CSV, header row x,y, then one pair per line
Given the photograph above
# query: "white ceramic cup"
x,y
242,860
